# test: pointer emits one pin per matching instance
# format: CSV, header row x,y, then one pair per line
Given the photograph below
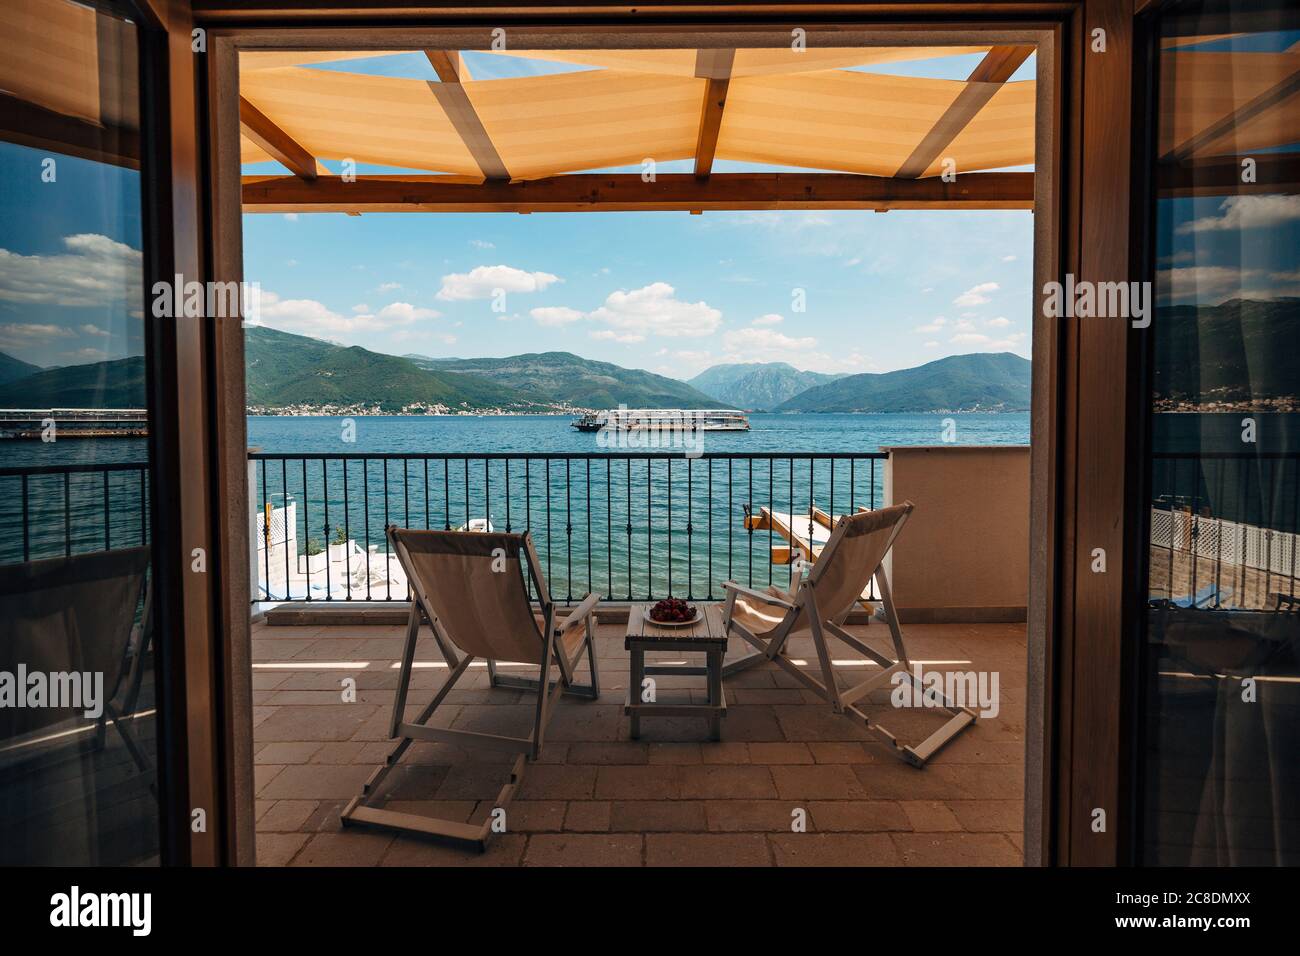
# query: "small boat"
x,y
477,524
664,420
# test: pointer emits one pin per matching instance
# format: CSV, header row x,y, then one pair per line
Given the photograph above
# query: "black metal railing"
x,y
632,526
49,511
1225,529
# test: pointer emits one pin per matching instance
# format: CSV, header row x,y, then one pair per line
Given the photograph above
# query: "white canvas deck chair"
x,y
819,603
469,587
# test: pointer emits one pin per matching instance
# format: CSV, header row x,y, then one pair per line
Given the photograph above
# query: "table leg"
x,y
715,693
634,690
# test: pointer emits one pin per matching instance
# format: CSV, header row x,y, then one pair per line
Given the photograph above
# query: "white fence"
x,y
1228,542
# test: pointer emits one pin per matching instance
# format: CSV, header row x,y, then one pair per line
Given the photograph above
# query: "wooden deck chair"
x,y
73,613
469,587
852,556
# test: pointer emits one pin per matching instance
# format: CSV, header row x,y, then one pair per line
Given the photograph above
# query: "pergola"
x,y
860,139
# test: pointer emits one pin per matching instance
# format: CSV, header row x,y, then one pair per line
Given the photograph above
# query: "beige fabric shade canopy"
x,y
781,107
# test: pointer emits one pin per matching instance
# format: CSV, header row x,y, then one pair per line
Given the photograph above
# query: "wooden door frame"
x,y
1080,423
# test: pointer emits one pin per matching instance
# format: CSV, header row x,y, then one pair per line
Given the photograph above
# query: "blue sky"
x,y
669,292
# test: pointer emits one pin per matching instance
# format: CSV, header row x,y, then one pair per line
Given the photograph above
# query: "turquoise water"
x,y
616,524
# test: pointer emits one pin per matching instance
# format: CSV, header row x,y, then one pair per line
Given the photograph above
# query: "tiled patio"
x,y
674,798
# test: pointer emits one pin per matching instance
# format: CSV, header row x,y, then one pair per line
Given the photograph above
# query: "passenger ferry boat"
x,y
665,419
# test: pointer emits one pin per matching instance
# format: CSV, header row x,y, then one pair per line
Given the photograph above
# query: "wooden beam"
x,y
455,102
628,192
714,66
987,78
1221,176
1271,98
27,124
283,148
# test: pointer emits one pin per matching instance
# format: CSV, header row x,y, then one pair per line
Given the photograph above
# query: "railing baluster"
x,y
365,474
589,588
568,529
629,529
347,532
649,535
669,525
67,514
27,544
306,530
284,497
771,498
388,574
325,498
710,463
690,531
609,527
108,519
266,530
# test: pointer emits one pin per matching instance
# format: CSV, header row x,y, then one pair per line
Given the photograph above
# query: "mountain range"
x,y
287,371
1233,351
757,386
983,381
562,377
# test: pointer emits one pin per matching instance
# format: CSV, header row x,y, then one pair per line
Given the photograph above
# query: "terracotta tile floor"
x,y
673,798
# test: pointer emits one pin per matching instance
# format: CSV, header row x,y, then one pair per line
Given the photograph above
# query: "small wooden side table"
x,y
708,636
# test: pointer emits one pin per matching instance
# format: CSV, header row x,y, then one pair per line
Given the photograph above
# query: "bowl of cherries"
x,y
673,612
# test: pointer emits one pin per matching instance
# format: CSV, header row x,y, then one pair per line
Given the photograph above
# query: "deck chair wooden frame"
x,y
804,608
556,648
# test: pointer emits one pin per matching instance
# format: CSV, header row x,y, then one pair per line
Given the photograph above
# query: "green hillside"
x,y
12,369
1209,352
284,369
115,384
985,381
565,377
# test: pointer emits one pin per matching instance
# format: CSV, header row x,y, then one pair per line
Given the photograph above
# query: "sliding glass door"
x,y
1219,685
78,721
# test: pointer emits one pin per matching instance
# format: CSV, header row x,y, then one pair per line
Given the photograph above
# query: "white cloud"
x,y
92,330
766,341
86,355
482,282
932,345
482,244
969,338
609,335
1248,212
770,319
1001,322
310,317
94,271
654,310
388,287
1008,258
976,295
931,327
402,313
555,315
15,336
291,216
